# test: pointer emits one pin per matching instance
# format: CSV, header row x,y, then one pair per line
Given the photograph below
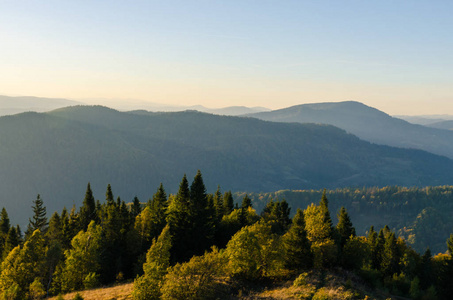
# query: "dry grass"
x,y
119,292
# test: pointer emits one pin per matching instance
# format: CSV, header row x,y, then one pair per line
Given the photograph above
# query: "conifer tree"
x,y
39,220
158,212
344,227
201,217
218,204
136,208
298,253
109,195
179,222
390,256
88,209
55,231
11,241
246,202
4,222
228,203
324,204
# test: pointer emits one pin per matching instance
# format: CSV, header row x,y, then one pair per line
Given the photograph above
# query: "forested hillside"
x,y
194,245
420,215
56,153
368,124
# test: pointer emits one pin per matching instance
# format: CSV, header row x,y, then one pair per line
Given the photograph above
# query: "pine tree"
x,y
201,218
344,227
218,204
178,220
136,208
11,241
4,222
88,209
390,256
55,231
324,204
158,209
298,253
228,203
109,195
246,202
39,220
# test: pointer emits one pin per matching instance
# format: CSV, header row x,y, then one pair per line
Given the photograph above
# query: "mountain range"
x,y
57,153
368,124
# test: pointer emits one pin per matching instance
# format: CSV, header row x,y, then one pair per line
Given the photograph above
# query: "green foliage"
x,y
344,227
157,262
297,247
83,258
91,281
254,252
39,220
276,213
36,290
88,209
196,279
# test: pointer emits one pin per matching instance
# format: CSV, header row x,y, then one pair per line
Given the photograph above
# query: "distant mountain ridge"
x,y
57,153
14,105
368,124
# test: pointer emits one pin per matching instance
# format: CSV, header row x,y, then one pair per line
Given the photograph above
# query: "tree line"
x,y
185,245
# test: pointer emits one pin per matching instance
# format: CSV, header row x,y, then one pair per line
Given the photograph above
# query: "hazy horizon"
x,y
394,56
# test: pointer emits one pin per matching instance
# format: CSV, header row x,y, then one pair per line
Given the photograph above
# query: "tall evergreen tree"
x,y
4,222
88,209
246,202
109,195
179,222
325,207
218,204
228,203
39,219
390,256
11,241
344,227
298,253
136,208
201,217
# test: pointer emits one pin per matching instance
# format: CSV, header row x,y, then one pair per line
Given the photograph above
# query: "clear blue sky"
x,y
393,55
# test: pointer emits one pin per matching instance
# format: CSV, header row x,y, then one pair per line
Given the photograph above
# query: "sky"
x,y
396,56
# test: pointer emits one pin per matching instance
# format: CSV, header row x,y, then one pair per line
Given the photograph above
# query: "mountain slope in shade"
x,y
368,124
56,154
15,105
448,125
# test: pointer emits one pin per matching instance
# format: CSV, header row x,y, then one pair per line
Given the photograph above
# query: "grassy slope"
x,y
342,285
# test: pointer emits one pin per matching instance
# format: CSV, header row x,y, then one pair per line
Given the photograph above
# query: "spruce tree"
x,y
109,195
228,203
218,204
246,202
390,256
39,220
344,227
136,208
158,209
88,209
178,220
12,240
4,222
201,217
325,208
298,253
